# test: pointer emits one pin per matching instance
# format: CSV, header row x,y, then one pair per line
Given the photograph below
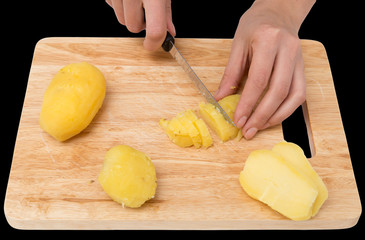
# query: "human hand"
x,y
154,16
266,45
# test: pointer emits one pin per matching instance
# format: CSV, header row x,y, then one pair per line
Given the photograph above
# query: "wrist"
x,y
291,12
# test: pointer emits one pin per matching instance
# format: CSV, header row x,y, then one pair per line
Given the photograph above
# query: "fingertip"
x,y
135,28
171,29
241,122
250,133
217,95
109,2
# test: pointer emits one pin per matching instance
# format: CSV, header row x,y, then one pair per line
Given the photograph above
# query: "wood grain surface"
x,y
53,185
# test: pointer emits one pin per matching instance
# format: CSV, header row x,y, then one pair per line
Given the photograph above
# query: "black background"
x,y
337,24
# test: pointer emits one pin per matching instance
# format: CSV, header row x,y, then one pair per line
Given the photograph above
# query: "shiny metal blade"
x,y
203,90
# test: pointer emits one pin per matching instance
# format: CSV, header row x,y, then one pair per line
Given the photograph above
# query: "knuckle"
x,y
300,95
134,28
294,45
121,19
260,80
272,122
281,95
244,108
269,31
260,119
156,34
282,90
266,34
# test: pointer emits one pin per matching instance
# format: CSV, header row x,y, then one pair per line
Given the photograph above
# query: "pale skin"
x,y
266,46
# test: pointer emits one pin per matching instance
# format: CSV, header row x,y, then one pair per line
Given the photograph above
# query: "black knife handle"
x,y
167,44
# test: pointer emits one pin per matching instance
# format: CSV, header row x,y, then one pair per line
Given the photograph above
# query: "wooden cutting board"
x,y
53,185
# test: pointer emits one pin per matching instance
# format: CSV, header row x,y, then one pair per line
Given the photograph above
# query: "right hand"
x,y
152,15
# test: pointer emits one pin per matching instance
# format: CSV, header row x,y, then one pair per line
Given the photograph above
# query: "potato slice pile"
x,y
186,129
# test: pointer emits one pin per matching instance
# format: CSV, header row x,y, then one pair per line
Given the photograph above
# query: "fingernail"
x,y
250,133
241,122
174,30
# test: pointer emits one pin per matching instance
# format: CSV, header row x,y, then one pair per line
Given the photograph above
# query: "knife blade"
x,y
169,46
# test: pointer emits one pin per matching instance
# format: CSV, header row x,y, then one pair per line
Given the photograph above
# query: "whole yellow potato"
x,y
128,176
72,100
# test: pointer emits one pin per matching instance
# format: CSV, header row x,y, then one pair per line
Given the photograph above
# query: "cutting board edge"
x,y
51,224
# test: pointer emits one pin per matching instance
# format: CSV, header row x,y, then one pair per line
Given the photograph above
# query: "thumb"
x,y
170,25
156,24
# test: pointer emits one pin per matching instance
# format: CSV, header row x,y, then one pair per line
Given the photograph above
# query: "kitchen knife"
x,y
169,46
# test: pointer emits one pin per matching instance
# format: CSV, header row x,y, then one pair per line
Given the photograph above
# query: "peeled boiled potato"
x,y
294,155
283,179
215,119
72,100
128,176
186,130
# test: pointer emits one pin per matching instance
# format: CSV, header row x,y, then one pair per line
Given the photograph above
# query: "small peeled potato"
x,y
72,100
128,176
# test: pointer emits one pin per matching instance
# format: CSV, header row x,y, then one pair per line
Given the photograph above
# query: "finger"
x,y
278,91
296,97
109,2
133,15
119,10
234,70
170,25
258,76
156,25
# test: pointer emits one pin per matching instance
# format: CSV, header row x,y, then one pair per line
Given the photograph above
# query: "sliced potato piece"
x,y
215,119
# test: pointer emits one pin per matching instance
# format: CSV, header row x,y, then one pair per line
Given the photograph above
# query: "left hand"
x,y
266,44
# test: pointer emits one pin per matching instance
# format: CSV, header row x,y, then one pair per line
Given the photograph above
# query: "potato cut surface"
x,y
215,119
294,155
186,130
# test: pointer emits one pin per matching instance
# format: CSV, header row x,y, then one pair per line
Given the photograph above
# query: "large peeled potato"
x,y
294,155
284,179
128,176
72,99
